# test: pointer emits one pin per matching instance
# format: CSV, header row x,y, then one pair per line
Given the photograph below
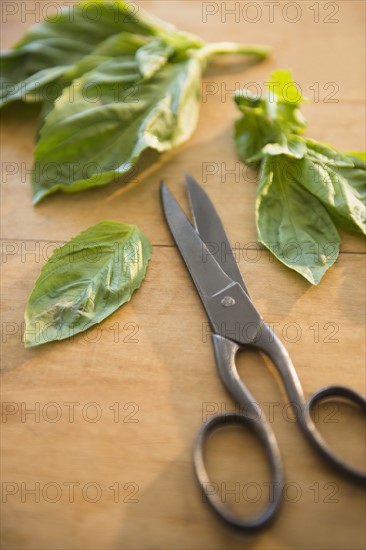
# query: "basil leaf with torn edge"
x,y
98,59
86,280
86,144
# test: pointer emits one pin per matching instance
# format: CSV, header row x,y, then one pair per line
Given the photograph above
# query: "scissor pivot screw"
x,y
227,301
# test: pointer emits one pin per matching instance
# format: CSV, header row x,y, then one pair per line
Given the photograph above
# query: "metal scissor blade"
x,y
209,226
206,273
227,305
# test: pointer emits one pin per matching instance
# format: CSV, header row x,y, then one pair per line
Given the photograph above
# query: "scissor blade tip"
x,y
188,177
191,182
164,190
168,201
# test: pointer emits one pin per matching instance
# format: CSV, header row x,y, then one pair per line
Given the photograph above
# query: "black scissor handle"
x,y
264,518
226,351
273,347
317,439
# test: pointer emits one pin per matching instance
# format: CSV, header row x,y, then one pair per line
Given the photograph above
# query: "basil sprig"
x,y
305,188
86,280
114,82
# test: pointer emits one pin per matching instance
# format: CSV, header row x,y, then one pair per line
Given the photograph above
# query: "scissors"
x,y
228,305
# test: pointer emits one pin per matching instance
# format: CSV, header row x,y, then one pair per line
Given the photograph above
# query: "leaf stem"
x,y
223,48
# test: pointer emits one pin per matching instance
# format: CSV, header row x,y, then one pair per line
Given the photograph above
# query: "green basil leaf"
x,y
124,44
252,131
153,56
32,89
282,86
338,183
304,185
85,144
359,155
266,122
145,75
282,103
36,64
292,223
291,146
120,45
73,32
86,280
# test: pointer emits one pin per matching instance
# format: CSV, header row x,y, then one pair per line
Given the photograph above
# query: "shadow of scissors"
x,y
228,305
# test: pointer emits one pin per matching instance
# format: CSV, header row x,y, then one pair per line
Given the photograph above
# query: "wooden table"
x,y
108,448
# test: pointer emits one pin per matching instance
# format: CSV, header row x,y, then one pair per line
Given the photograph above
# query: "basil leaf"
x,y
292,223
322,184
283,100
153,56
252,131
124,44
32,89
108,136
291,146
113,46
86,280
73,32
268,121
31,66
146,78
338,183
359,155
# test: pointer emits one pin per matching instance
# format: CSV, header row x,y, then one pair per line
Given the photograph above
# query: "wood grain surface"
x,y
104,461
